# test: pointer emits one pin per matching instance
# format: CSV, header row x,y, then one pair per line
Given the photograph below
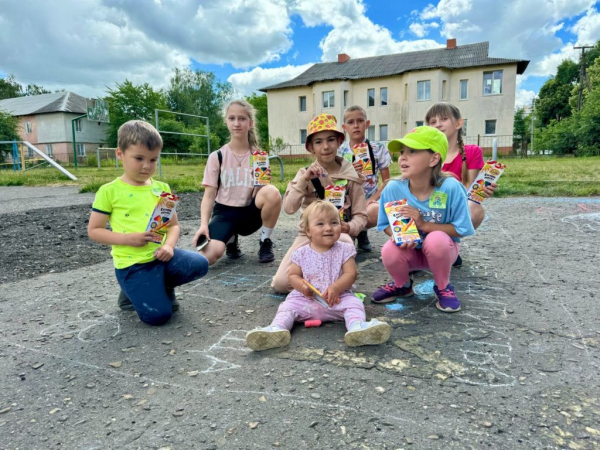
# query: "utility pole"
x,y
532,109
582,75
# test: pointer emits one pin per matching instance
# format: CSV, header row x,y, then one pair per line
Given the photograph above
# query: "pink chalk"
x,y
312,323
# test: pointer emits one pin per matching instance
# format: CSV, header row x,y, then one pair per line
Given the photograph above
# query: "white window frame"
x,y
303,135
81,150
300,98
78,125
49,150
330,97
371,133
495,127
381,136
460,89
464,128
30,153
423,90
369,98
493,76
28,127
346,98
444,90
382,95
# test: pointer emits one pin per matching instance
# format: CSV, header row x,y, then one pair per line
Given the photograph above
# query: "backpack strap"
x,y
318,186
372,156
220,157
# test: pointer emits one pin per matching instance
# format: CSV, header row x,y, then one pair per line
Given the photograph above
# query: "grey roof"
x,y
45,103
463,56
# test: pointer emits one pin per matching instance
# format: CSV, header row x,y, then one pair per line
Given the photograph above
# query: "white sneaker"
x,y
267,337
372,332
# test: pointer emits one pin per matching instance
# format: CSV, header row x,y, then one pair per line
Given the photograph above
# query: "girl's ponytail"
x,y
464,175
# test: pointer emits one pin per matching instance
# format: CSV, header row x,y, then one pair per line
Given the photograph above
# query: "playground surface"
x,y
518,367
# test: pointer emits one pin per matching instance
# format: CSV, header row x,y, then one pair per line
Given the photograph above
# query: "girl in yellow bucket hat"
x,y
323,140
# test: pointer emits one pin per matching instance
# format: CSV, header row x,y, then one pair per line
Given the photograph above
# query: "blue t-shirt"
x,y
447,204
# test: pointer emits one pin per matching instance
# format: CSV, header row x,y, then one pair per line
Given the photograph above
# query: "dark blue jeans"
x,y
146,284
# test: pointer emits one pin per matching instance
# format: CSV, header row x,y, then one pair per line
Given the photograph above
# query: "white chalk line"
x,y
209,391
562,304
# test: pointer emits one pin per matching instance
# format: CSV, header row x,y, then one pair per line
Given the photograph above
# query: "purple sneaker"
x,y
447,300
388,292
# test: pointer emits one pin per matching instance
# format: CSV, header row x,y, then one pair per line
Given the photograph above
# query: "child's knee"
x,y
200,267
155,317
281,284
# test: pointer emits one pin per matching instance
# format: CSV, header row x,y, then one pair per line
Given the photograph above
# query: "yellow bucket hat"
x,y
323,122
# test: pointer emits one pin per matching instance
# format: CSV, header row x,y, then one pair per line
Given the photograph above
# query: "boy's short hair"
x,y
317,207
138,132
355,108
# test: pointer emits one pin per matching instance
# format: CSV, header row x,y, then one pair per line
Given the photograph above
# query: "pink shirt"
x,y
322,269
237,182
474,161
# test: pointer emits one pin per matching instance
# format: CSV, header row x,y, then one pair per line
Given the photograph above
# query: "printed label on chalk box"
x,y
162,215
403,228
491,172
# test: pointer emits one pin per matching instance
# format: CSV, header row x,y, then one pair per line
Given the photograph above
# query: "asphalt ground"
x,y
518,367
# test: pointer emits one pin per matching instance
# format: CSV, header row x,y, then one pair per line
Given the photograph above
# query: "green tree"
x,y
34,89
9,131
262,118
587,123
9,88
553,102
521,132
127,102
199,93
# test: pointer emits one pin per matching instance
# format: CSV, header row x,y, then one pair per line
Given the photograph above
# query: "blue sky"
x,y
256,43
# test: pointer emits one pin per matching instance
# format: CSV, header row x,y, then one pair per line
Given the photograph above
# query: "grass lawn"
x,y
543,176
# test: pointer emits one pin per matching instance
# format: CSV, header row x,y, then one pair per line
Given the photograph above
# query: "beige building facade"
x,y
396,103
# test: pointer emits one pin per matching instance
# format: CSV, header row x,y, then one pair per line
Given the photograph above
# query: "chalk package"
x,y
260,168
161,216
403,228
490,173
336,195
361,151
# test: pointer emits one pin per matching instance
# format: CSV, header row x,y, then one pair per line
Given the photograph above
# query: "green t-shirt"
x,y
129,208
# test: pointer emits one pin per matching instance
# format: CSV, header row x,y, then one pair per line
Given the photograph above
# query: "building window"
x,y
302,136
328,99
370,97
419,123
490,126
444,90
383,132
464,88
27,127
405,92
30,152
49,150
78,125
492,82
423,90
371,133
383,96
464,127
302,103
80,149
345,99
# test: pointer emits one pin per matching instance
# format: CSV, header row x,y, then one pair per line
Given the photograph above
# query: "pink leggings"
x,y
298,308
438,254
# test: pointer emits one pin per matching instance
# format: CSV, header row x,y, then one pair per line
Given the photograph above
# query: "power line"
x,y
583,78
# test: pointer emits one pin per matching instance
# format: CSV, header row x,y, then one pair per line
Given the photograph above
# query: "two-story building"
x,y
46,122
397,90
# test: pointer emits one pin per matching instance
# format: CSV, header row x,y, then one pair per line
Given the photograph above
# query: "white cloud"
x,y
422,29
514,28
98,49
587,28
523,97
250,81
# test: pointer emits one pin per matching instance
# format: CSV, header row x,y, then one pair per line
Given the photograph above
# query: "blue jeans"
x,y
146,284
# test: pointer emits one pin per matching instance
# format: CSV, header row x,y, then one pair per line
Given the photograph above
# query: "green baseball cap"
x,y
423,138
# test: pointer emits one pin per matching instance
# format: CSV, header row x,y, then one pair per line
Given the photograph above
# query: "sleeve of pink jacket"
x,y
296,190
358,208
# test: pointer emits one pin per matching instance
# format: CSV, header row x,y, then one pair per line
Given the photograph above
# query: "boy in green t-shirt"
x,y
147,272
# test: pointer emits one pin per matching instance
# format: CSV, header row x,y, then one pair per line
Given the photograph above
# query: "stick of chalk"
x,y
312,323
